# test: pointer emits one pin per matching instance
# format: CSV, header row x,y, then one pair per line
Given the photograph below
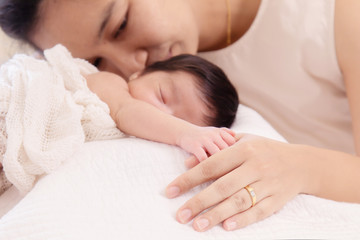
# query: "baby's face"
x,y
174,93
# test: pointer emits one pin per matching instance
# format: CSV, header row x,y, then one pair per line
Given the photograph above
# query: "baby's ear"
x,y
134,76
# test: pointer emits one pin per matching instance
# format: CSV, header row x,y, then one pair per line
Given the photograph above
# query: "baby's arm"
x,y
141,119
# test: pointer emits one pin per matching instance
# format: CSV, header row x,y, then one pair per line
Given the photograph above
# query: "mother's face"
x,y
121,36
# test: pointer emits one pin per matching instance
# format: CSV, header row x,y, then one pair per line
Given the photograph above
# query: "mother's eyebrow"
x,y
106,17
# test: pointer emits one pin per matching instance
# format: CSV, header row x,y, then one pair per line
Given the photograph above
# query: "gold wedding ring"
x,y
252,194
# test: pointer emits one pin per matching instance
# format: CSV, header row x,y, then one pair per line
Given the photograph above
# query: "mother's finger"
x,y
260,211
214,167
237,203
219,190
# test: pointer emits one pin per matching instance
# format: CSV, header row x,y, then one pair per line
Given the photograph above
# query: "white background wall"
x,y
9,47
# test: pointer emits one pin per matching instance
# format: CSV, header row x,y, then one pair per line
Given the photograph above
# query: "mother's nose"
x,y
125,62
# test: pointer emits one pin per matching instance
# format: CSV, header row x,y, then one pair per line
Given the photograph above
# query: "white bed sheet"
x,y
115,190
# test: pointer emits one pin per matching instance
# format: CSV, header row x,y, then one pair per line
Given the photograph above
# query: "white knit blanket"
x,y
46,114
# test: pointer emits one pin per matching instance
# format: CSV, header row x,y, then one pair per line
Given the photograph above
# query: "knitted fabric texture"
x,y
46,113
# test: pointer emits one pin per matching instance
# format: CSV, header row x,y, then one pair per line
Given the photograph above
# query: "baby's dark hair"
x,y
219,94
19,17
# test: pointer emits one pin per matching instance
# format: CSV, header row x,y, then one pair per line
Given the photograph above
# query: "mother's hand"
x,y
269,167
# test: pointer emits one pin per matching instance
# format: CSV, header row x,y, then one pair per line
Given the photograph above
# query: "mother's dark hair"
x,y
219,94
19,17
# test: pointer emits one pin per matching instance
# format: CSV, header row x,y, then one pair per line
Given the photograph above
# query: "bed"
x,y
115,190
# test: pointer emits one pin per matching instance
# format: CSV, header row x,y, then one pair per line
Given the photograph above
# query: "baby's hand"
x,y
206,141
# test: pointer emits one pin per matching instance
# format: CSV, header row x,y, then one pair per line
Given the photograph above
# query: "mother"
x,y
295,62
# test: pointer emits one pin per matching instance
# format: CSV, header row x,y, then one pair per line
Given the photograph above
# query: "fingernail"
x,y
184,215
172,192
202,223
230,226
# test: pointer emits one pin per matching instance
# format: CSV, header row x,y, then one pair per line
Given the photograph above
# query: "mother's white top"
x,y
286,68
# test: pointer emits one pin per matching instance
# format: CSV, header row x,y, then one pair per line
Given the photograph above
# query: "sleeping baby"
x,y
49,109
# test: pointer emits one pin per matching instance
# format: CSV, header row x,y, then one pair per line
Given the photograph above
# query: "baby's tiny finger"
x,y
201,155
191,162
231,132
228,138
221,143
211,148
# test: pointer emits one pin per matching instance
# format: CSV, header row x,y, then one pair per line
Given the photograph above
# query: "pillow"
x,y
115,190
